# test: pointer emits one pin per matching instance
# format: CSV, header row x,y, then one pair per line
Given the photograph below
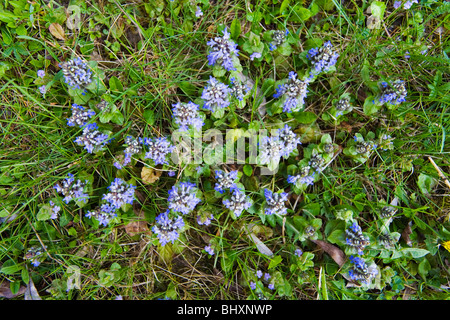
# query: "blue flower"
x,y
288,140
255,55
104,214
79,116
223,49
238,89
186,114
41,73
393,94
43,89
76,73
237,202
205,219
225,181
158,149
305,177
293,92
183,197
298,252
275,202
215,95
361,272
323,58
133,147
119,193
271,149
92,139
278,38
209,250
35,256
167,229
55,210
355,238
198,12
71,189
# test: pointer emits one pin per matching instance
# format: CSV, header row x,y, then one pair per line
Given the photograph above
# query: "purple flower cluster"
x,y
355,238
55,210
323,58
361,272
216,95
80,116
205,219
223,49
393,94
275,202
238,89
278,38
103,214
225,180
305,177
35,255
209,250
166,228
92,139
288,140
76,73
237,202
119,193
280,145
183,198
157,149
293,92
185,115
133,147
407,5
71,189
259,275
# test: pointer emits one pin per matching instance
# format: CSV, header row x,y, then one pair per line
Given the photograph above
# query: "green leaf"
x,y
235,28
369,106
284,5
426,183
276,260
115,84
248,170
149,116
306,117
300,14
10,267
415,252
378,8
44,213
188,88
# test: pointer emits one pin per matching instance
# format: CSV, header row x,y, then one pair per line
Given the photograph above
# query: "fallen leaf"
x,y
405,234
5,290
150,175
30,292
337,254
135,227
261,246
57,31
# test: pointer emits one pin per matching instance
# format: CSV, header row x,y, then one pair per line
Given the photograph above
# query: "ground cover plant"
x,y
196,149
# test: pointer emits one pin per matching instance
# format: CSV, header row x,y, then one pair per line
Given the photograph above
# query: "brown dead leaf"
x,y
5,290
337,254
135,227
57,31
150,175
405,234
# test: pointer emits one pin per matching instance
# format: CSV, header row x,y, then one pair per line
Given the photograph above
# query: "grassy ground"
x,y
150,55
